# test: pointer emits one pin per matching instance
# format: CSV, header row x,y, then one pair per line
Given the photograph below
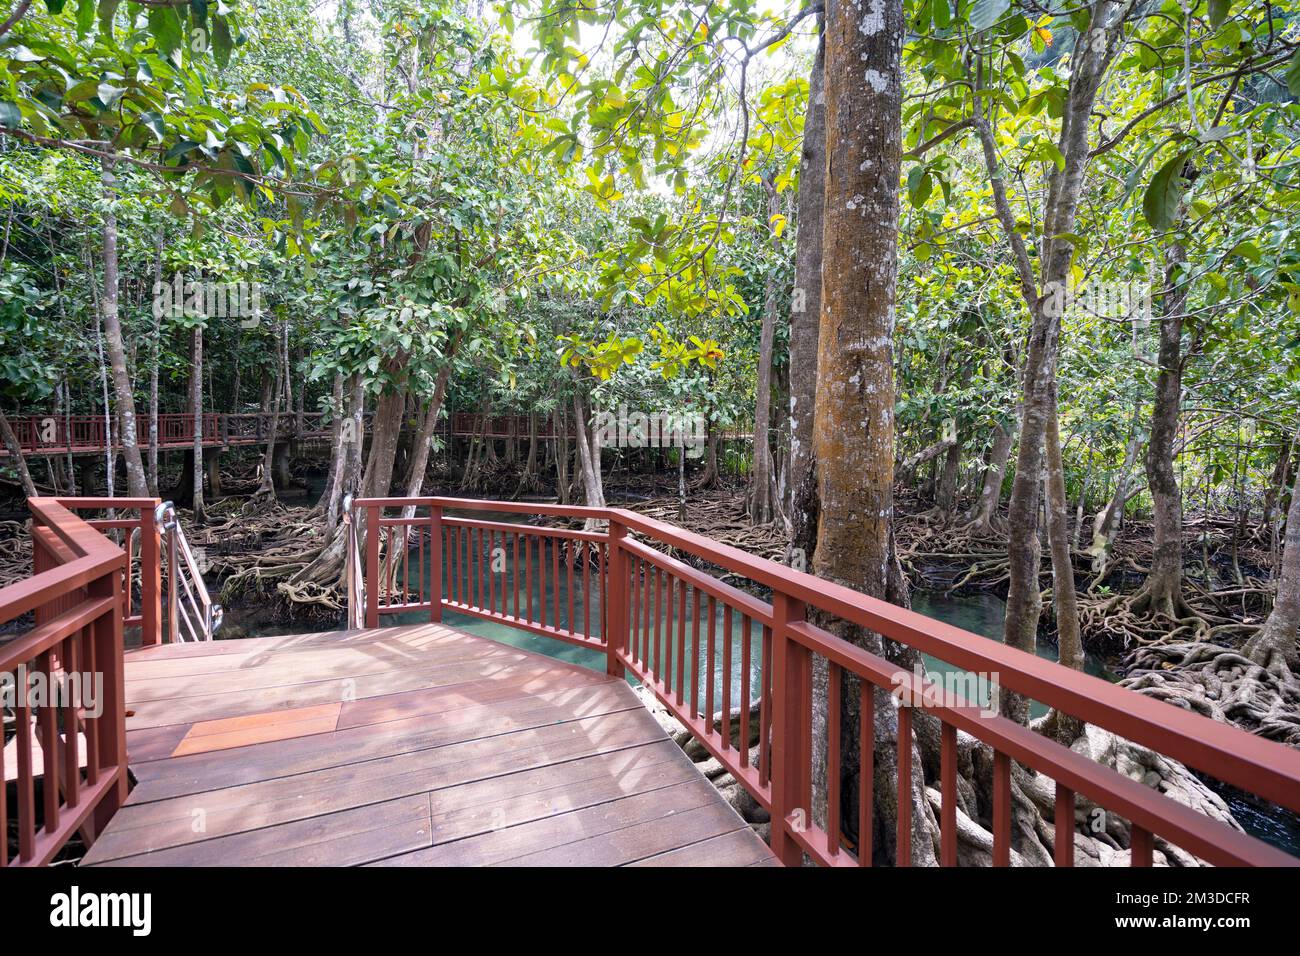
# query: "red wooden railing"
x,y
83,434
79,597
671,626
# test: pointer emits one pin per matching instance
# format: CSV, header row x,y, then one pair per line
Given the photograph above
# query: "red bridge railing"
x,y
83,434
673,626
72,741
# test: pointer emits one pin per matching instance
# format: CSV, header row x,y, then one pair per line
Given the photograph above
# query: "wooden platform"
x,y
403,746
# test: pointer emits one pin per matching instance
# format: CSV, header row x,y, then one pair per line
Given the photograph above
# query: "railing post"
x,y
791,735
435,563
617,613
150,577
107,637
372,565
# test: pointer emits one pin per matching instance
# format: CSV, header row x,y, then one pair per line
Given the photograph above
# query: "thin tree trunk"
x,y
16,457
267,485
805,315
760,491
196,409
1274,644
1163,592
137,484
153,369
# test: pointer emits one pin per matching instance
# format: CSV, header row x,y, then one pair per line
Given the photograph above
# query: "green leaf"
x,y
107,11
85,16
55,6
942,14
1164,196
1219,11
221,40
165,28
985,13
1293,74
10,115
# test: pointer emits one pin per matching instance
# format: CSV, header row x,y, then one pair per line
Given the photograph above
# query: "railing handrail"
x,y
1220,750
185,581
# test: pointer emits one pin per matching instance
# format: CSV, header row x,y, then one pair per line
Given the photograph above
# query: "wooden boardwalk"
x,y
403,746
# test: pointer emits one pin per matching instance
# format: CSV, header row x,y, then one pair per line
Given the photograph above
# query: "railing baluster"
x,y
903,856
587,553
948,792
681,644
645,629
48,721
491,571
555,582
695,656
709,654
26,782
726,677
528,575
570,558
765,708
866,770
435,563
71,763
657,670
92,724
1001,809
1064,851
744,689
1141,846
669,661
514,569
833,680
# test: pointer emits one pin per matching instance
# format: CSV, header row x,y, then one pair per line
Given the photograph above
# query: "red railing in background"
x,y
674,627
73,744
83,434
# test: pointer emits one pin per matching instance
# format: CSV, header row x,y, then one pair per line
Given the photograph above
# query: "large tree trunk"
x,y
384,432
853,432
805,315
1163,592
16,457
137,483
196,409
1274,644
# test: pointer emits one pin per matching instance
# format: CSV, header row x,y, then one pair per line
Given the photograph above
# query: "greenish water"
x,y
983,614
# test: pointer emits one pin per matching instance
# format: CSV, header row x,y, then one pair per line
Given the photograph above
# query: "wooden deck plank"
x,y
419,745
155,713
347,838
172,822
194,774
736,848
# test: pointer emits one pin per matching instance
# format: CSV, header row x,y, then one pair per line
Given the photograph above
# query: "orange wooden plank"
x,y
209,735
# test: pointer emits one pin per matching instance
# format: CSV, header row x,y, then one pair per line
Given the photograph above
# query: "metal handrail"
x,y
187,595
